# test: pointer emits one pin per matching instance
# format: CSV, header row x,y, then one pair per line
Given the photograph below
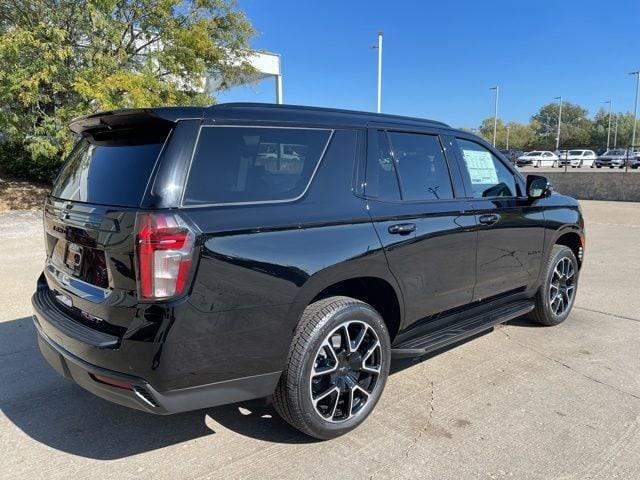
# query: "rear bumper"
x,y
54,331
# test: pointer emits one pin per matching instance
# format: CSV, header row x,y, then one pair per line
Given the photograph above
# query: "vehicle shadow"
x,y
56,412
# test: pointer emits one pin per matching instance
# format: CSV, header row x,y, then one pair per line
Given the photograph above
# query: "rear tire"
x,y
556,295
340,346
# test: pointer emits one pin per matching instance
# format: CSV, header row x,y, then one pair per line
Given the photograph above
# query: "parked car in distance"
x,y
580,158
242,251
612,158
512,155
538,158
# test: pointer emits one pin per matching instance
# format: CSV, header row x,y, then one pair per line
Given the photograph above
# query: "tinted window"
x,y
421,165
250,164
489,177
382,181
107,172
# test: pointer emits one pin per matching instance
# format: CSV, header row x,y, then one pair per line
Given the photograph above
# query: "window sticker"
x,y
480,166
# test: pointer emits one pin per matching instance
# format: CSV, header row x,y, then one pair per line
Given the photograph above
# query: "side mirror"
x,y
538,187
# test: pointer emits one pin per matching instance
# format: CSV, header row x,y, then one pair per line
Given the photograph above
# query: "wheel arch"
x,y
378,290
572,238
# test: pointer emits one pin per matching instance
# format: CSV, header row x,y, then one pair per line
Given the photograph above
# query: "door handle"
x,y
489,219
402,228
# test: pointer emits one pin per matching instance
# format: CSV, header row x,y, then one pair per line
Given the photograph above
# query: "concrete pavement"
x,y
519,402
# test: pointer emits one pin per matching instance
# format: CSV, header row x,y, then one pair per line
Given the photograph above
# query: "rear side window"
x,y
253,164
112,171
382,181
421,165
488,176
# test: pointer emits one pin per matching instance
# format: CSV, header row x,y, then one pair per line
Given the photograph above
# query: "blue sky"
x,y
441,58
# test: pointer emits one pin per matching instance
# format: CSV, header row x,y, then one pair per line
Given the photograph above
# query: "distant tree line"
x,y
577,129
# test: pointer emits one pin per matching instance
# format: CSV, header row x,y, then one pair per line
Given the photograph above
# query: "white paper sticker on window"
x,y
481,167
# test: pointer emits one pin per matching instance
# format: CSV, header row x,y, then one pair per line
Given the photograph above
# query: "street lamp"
x,y
609,128
379,47
508,130
559,122
615,135
495,114
635,110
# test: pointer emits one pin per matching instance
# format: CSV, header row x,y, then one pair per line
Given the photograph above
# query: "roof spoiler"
x,y
163,118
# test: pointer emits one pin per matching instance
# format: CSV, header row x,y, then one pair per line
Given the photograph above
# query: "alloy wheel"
x,y
562,287
345,371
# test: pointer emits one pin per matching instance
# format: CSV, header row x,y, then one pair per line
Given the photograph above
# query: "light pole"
x,y
615,135
379,47
495,114
559,122
609,127
635,110
508,130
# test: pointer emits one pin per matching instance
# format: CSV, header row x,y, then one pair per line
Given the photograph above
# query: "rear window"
x,y
253,164
110,172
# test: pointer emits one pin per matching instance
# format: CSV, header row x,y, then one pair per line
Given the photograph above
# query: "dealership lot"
x,y
519,402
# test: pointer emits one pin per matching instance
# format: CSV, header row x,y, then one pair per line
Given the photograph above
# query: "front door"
x,y
510,227
428,234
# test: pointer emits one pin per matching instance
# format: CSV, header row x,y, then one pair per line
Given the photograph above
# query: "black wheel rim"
x,y
563,286
345,371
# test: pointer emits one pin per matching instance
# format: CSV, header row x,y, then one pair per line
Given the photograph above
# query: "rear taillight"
x,y
165,246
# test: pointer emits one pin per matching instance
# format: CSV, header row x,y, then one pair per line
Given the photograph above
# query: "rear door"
x,y
510,227
428,233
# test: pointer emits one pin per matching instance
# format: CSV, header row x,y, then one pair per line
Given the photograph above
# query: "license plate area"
x,y
73,258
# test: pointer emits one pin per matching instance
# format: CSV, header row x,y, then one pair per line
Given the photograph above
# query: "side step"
x,y
468,327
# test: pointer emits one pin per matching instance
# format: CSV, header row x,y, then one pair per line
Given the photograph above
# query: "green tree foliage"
x,y
574,131
577,130
521,135
600,125
65,58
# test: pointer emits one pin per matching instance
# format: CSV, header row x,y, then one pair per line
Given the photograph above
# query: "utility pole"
x,y
635,110
379,47
559,122
609,128
495,114
508,130
615,135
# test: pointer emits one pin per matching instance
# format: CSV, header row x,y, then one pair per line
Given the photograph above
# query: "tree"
x,y
600,126
575,130
66,58
521,135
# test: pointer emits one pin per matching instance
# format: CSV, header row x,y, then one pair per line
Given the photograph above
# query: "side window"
x,y
382,181
251,164
489,177
422,168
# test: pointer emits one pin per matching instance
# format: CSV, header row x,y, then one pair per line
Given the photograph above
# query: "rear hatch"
x,y
90,220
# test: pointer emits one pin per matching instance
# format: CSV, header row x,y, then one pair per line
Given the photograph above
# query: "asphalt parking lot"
x,y
519,402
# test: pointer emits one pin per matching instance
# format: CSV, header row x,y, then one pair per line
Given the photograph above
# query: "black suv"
x,y
202,256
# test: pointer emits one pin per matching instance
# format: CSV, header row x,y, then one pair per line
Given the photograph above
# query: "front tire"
x,y
557,294
337,368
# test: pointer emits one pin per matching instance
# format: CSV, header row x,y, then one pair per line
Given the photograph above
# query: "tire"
x,y
300,397
547,312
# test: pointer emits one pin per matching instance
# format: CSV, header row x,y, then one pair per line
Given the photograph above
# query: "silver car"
x,y
612,158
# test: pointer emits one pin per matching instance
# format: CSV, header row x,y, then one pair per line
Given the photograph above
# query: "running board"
x,y
434,340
